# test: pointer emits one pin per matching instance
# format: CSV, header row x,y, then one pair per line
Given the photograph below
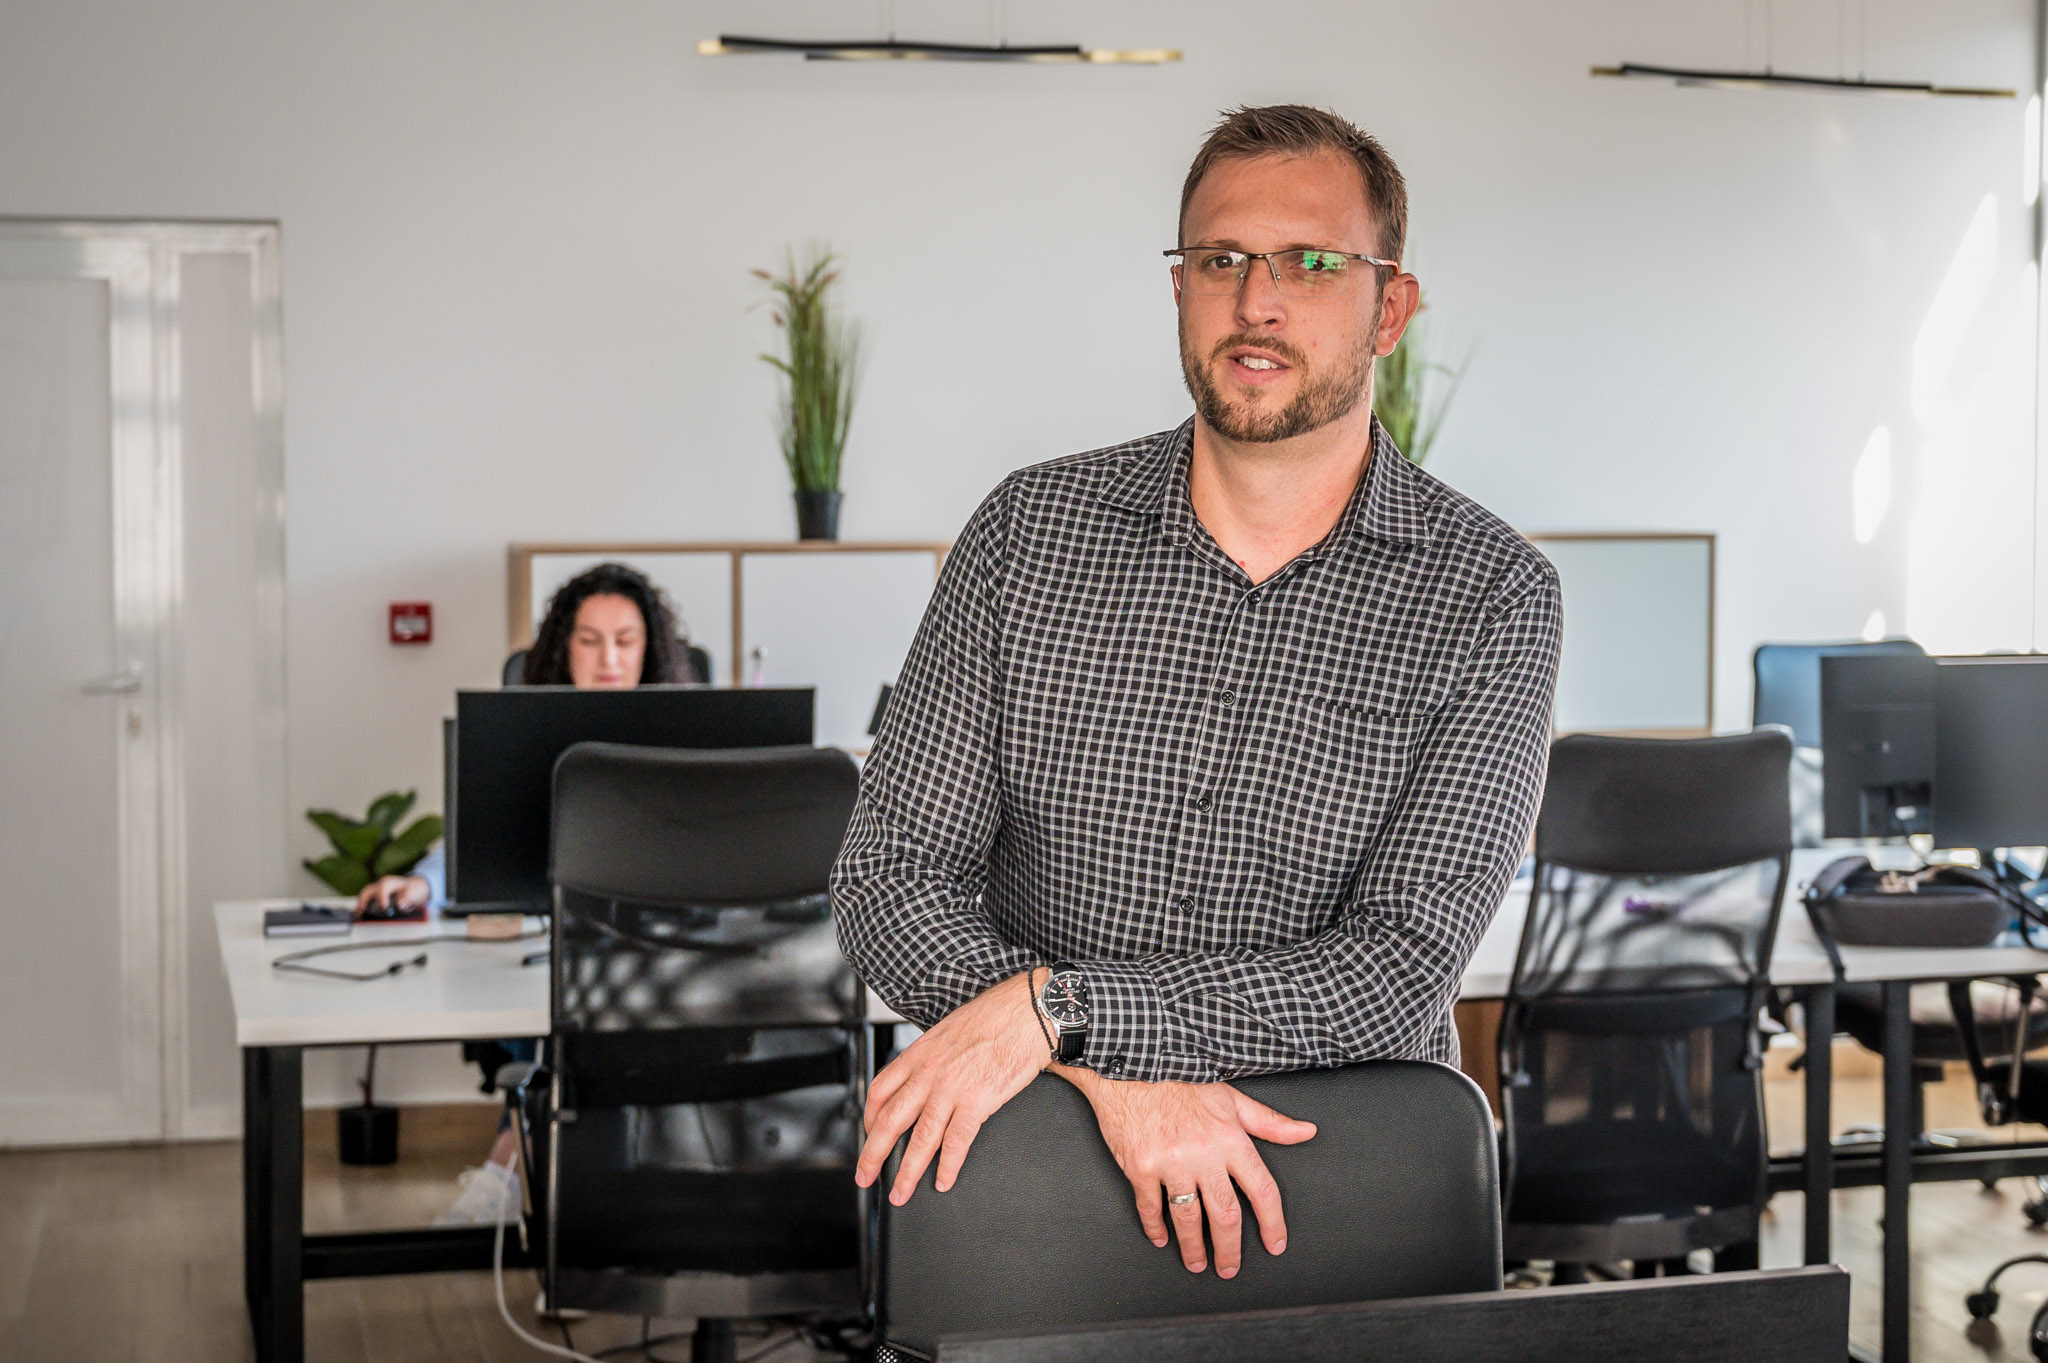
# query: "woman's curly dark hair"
x,y
547,662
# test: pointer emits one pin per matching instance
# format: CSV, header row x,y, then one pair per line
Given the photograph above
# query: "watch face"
x,y
1066,1000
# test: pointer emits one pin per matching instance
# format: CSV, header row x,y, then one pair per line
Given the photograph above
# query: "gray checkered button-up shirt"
x,y
1269,823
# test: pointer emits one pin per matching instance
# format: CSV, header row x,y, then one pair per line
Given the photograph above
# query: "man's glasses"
x,y
1297,274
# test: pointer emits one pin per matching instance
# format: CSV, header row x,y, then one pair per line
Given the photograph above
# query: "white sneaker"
x,y
489,1194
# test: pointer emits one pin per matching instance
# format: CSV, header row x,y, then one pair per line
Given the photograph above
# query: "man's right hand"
x,y
948,1082
402,892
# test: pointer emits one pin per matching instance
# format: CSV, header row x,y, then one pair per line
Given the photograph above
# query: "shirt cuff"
x,y
1131,1034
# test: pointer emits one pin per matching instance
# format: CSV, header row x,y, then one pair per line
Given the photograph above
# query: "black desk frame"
x,y
1818,1170
279,1258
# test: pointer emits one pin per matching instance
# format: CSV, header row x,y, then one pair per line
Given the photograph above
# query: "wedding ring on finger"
x,y
1182,1199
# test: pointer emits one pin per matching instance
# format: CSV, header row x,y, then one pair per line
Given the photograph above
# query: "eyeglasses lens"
x,y
1302,274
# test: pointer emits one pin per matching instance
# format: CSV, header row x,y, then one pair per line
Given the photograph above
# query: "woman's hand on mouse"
x,y
404,893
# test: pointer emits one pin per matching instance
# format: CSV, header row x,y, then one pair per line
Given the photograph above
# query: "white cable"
x,y
498,1277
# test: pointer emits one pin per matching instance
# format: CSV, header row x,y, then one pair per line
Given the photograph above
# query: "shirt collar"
x,y
1390,507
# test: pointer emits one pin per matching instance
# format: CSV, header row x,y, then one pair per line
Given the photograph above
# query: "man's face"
x,y
1262,366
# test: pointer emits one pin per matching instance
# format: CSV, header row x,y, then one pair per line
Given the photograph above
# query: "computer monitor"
x,y
1877,745
501,753
1991,752
1788,681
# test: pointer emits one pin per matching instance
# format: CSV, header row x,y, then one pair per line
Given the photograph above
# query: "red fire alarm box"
x,y
412,622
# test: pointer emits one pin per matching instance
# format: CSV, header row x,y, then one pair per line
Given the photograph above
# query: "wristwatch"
x,y
1065,1001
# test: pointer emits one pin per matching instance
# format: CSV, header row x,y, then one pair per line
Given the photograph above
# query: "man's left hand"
x,y
948,1082
1194,1141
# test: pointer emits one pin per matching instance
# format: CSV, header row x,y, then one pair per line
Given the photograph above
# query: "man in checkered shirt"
x,y
1216,750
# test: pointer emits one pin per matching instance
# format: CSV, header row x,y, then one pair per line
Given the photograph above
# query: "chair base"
x,y
717,1296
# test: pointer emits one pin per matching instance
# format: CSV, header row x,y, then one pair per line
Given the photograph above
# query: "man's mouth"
x,y
1254,366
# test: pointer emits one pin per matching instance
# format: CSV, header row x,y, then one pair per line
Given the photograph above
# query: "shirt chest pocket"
x,y
1330,773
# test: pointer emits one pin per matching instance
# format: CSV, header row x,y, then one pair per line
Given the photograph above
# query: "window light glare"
x,y
1870,486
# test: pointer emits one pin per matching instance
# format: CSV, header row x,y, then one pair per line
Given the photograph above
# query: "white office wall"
x,y
517,235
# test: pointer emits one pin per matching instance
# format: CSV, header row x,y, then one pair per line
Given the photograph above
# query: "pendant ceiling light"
x,y
997,49
1770,78
889,49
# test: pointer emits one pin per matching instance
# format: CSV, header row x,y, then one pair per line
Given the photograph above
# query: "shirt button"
x,y
1202,803
1186,903
1227,696
1252,600
1113,1065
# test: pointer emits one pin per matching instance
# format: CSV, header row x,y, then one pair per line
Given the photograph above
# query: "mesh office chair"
x,y
1397,1195
697,660
1630,1053
690,1142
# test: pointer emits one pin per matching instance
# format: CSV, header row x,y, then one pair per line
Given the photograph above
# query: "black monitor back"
x,y
504,745
1877,744
1991,752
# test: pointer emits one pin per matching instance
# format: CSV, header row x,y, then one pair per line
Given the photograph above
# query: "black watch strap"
x,y
1073,1041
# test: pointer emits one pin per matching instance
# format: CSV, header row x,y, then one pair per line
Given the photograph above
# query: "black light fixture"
x,y
1772,79
1765,80
890,49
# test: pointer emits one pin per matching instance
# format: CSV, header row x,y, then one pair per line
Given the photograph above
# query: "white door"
x,y
80,917
141,705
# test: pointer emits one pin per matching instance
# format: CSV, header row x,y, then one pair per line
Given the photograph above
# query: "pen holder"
x,y
368,1133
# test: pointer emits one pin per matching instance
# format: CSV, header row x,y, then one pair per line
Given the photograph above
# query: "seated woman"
x,y
607,628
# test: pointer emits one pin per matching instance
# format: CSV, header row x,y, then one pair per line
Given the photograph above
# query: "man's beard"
x,y
1322,398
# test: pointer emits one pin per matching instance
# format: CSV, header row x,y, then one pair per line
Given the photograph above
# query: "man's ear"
x,y
1398,306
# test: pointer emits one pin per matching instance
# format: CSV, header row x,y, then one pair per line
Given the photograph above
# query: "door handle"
x,y
123,683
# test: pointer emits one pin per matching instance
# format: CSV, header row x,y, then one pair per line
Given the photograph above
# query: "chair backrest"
x,y
1788,681
696,661
691,888
1397,1195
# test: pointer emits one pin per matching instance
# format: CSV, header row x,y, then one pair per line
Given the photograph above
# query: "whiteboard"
x,y
841,622
1638,631
698,584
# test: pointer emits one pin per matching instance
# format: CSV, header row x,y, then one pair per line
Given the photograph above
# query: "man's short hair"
x,y
1297,130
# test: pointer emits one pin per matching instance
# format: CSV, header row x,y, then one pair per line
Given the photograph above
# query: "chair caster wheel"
x,y
2036,1213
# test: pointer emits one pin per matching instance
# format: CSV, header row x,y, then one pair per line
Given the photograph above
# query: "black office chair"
x,y
690,1141
696,660
1630,1050
1397,1195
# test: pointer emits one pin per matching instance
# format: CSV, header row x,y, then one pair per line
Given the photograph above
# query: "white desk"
x,y
467,991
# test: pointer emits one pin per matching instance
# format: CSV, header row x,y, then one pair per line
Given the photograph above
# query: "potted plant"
x,y
818,374
1398,396
370,847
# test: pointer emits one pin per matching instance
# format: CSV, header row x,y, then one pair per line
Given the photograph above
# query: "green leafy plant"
x,y
819,371
1399,392
371,847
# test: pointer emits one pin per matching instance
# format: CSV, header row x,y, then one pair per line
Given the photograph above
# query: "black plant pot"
x,y
817,515
369,1134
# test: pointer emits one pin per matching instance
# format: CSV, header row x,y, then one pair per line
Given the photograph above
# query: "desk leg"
x,y
273,1201
1898,1171
1820,1149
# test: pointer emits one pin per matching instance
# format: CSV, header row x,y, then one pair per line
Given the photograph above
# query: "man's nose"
x,y
1258,296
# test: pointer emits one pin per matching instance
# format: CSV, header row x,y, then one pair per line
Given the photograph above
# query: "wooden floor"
x,y
135,1253
111,1255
